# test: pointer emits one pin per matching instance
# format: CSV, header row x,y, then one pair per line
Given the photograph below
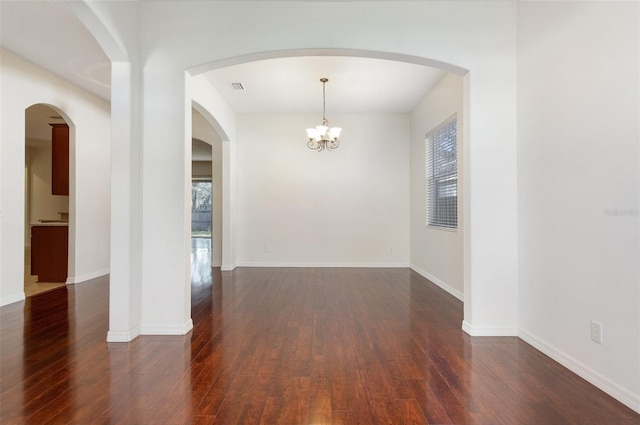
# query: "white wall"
x,y
578,187
437,254
348,207
24,84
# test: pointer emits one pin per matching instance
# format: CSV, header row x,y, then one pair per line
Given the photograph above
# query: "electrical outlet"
x,y
596,332
267,248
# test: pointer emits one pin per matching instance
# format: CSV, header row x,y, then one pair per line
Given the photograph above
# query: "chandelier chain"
x,y
324,103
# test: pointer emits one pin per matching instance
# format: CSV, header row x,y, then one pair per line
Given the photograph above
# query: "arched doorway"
x,y
206,200
206,168
47,199
344,59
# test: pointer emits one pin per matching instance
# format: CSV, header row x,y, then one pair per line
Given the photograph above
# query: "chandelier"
x,y
322,137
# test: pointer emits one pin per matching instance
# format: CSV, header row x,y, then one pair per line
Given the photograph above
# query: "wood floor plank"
x,y
199,420
410,413
235,399
295,409
256,399
272,410
291,346
343,417
320,401
431,403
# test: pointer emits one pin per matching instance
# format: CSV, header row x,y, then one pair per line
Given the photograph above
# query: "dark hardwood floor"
x,y
285,346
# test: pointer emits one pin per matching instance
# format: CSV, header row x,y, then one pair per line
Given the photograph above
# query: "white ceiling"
x,y
48,34
356,85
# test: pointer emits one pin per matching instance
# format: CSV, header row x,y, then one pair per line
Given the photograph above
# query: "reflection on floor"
x,y
200,261
200,268
31,284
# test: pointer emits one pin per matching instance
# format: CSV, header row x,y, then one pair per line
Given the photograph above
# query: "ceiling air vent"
x,y
237,86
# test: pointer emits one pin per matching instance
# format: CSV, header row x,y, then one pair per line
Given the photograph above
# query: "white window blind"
x,y
442,175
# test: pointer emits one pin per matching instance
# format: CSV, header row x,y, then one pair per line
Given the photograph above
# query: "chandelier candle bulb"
x,y
322,137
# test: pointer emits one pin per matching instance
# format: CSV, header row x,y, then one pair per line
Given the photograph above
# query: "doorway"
x,y
201,203
201,232
46,200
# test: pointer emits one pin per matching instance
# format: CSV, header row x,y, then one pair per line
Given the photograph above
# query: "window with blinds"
x,y
442,175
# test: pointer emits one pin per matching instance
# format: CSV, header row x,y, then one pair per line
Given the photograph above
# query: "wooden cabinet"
x,y
49,252
59,159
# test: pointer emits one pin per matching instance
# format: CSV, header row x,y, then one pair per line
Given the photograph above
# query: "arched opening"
x,y
356,53
266,252
206,199
49,199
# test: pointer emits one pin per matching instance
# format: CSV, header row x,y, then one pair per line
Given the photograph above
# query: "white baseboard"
x,y
487,330
623,395
450,289
227,267
336,265
167,330
12,299
123,336
87,276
